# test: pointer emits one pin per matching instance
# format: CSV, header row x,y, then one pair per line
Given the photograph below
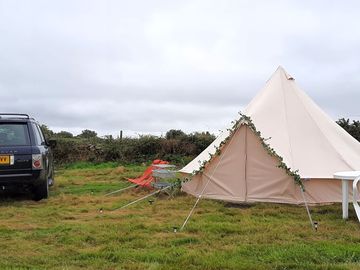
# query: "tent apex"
x,y
282,70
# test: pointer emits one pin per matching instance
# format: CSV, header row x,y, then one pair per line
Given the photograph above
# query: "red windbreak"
x,y
147,178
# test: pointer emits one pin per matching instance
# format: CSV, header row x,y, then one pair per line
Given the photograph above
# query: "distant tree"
x,y
352,128
175,134
202,139
87,134
47,132
64,134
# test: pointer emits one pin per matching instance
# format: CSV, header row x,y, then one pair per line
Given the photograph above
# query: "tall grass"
x,y
89,165
68,231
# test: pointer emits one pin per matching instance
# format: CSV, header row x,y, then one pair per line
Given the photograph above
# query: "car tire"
x,y
41,191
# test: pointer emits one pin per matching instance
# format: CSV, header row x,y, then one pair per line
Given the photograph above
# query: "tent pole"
x,y
207,183
307,208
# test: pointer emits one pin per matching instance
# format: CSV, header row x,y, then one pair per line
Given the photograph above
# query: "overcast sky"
x,y
147,66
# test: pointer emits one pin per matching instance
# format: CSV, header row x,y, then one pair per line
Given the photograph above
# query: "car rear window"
x,y
14,134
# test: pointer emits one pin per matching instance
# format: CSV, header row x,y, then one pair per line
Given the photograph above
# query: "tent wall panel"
x,y
263,176
228,177
247,173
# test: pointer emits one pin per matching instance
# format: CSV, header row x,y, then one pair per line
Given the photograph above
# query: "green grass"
x,y
90,165
68,231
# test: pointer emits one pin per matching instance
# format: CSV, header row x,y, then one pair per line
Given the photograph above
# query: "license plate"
x,y
4,160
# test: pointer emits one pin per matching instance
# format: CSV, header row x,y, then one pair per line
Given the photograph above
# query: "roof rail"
x,y
15,114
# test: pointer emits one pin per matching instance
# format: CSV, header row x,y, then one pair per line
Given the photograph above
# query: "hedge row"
x,y
178,149
176,146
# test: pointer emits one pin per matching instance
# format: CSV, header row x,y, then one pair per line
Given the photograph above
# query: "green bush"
x,y
352,128
178,148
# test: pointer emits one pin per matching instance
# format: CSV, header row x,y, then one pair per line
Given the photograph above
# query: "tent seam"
x,y
287,123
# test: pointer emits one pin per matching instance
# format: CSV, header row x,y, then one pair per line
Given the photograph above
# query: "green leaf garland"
x,y
246,120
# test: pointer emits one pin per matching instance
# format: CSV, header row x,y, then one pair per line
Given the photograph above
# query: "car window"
x,y
14,134
42,138
38,136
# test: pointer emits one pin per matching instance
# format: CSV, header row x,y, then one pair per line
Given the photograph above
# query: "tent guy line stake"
x,y
142,198
207,183
307,208
119,190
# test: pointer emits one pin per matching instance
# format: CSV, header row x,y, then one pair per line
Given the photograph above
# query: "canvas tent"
x,y
307,139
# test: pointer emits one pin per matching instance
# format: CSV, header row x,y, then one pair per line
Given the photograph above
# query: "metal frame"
x,y
23,115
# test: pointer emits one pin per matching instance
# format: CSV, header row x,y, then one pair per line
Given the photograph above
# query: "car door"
x,y
44,149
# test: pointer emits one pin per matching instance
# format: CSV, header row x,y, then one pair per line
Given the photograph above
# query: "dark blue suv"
x,y
26,159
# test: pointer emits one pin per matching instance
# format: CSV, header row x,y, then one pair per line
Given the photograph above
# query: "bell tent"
x,y
282,139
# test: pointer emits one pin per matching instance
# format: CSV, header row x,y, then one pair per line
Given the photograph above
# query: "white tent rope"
x,y
207,183
142,198
120,190
307,208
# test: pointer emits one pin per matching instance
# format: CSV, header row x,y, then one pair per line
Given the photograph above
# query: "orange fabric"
x,y
147,178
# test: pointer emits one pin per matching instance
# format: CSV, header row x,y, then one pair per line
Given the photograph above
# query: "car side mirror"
x,y
51,142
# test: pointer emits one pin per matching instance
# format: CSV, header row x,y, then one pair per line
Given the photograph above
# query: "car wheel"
x,y
41,191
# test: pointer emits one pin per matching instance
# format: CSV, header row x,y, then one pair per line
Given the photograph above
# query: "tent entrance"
x,y
246,173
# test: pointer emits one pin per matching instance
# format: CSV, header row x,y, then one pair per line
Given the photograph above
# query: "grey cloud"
x,y
148,66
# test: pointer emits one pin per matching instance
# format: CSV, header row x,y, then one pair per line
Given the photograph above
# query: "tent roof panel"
x,y
299,131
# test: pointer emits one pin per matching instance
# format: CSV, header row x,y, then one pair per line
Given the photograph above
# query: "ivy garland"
x,y
246,120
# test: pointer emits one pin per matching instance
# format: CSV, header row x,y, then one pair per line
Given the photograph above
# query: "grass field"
x,y
68,231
